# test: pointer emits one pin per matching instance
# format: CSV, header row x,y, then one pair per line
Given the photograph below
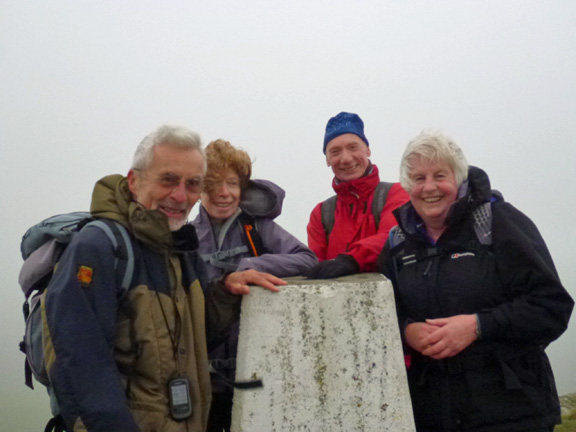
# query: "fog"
x,y
81,83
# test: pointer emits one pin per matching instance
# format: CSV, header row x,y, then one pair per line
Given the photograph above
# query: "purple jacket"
x,y
285,254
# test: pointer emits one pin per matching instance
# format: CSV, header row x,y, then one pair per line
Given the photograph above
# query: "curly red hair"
x,y
221,155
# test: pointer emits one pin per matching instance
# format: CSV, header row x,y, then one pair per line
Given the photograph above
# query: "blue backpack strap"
x,y
395,237
124,265
122,243
216,258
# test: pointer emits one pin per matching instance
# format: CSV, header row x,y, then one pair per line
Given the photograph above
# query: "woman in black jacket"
x,y
478,298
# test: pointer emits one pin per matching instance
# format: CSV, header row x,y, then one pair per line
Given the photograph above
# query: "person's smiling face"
x,y
348,155
222,197
434,189
172,183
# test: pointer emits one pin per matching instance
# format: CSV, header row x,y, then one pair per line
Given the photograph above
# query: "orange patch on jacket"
x,y
85,275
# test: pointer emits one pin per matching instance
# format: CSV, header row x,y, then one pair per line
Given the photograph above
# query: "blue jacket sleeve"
x,y
80,314
287,256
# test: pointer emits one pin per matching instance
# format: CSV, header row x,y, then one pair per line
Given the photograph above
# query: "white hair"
x,y
166,135
434,146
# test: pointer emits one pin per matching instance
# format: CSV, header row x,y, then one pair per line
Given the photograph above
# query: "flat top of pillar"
x,y
359,277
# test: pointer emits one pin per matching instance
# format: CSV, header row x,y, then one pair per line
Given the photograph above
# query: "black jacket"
x,y
493,263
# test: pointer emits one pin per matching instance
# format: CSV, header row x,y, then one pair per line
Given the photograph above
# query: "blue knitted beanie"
x,y
344,123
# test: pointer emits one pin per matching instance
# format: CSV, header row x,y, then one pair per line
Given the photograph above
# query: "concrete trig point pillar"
x,y
329,354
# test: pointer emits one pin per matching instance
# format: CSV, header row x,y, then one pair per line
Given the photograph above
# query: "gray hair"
x,y
433,146
166,135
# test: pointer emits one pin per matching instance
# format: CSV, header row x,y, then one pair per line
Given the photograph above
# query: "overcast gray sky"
x,y
81,83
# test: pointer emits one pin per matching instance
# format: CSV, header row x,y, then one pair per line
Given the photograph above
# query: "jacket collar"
x,y
112,199
360,188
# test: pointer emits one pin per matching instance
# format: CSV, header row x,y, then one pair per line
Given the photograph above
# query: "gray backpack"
x,y
42,246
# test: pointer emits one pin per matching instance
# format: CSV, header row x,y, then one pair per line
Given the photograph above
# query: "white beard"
x,y
176,224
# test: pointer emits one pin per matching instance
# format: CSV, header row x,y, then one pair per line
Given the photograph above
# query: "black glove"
x,y
342,265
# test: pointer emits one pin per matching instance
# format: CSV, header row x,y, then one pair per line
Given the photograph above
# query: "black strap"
x,y
56,424
328,209
379,200
240,385
27,369
251,235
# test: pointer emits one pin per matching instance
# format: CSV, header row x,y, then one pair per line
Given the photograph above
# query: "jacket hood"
x,y
480,185
112,199
474,192
262,198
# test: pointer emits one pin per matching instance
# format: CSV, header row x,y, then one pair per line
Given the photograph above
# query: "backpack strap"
x,y
253,245
395,237
380,196
483,223
120,239
56,424
328,208
483,219
124,265
216,259
251,234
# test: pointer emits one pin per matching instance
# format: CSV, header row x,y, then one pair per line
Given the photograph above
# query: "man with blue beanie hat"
x,y
344,123
348,231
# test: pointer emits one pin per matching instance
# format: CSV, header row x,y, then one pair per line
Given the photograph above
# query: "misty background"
x,y
82,82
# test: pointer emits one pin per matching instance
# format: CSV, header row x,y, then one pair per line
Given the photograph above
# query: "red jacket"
x,y
354,230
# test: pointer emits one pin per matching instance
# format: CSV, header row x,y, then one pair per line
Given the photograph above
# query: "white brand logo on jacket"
x,y
462,254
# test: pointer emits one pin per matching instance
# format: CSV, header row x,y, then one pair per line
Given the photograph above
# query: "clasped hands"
x,y
442,337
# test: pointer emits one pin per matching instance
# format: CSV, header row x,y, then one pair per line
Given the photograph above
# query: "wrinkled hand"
x,y
416,333
237,282
342,265
443,337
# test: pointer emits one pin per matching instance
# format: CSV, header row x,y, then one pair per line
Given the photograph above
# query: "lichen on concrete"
x,y
329,355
